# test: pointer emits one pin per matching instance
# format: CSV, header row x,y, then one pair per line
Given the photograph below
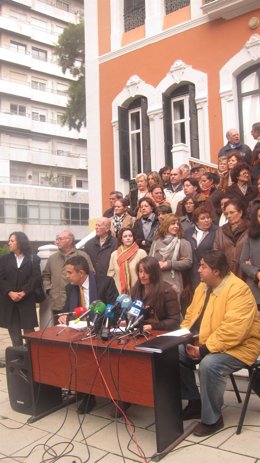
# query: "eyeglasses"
x,y
61,239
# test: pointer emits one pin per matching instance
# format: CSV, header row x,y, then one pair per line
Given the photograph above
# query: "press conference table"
x,y
60,358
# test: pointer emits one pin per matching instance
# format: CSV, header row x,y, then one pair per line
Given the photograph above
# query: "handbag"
x,y
39,293
38,289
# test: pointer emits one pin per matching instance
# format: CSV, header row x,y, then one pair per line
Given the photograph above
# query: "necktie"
x,y
82,297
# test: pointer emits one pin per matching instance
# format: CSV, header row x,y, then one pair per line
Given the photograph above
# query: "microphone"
x,y
108,316
83,315
140,320
134,312
76,312
125,306
98,309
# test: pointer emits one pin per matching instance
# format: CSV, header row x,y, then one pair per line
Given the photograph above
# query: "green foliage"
x,y
4,250
71,56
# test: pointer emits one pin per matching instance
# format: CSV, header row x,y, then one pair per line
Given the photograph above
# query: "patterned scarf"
x,y
124,256
117,221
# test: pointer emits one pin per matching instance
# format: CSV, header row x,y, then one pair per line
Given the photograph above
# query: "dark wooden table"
x,y
61,358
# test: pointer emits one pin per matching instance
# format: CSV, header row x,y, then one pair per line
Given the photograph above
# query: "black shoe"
x,y
116,413
203,429
192,411
2,364
87,404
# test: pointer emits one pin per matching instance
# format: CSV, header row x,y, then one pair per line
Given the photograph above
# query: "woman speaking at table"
x,y
157,295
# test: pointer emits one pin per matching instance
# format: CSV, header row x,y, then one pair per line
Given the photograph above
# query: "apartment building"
x,y
166,80
43,166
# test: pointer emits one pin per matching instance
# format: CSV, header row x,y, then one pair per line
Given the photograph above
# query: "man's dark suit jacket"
x,y
102,288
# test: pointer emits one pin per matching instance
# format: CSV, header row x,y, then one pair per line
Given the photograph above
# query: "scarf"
x,y
171,248
124,256
117,221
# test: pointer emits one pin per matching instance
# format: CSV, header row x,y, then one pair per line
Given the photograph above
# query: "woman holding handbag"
x,y
20,274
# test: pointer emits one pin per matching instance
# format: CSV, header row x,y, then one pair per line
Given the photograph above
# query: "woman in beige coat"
x,y
123,261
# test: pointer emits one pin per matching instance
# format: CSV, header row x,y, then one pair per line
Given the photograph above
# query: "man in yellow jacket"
x,y
224,320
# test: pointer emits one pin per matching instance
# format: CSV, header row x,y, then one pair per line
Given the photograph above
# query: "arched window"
x,y
134,139
248,88
180,120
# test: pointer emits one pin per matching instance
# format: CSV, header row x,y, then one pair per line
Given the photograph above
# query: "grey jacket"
x,y
183,262
251,250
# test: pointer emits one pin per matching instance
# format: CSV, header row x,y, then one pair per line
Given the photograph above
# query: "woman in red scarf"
x,y
123,261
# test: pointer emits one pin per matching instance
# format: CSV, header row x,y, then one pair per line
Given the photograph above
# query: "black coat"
x,y
100,255
139,234
24,279
198,251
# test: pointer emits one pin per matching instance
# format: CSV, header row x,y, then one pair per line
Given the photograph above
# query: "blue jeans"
x,y
214,370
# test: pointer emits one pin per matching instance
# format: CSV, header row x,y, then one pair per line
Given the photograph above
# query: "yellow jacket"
x,y
230,322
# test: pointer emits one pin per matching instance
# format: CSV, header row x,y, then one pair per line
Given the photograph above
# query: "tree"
x,y
71,56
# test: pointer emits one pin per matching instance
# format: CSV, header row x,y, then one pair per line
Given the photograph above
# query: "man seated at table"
x,y
224,321
84,287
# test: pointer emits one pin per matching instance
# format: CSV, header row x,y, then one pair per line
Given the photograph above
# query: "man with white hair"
x,y
101,246
54,277
233,144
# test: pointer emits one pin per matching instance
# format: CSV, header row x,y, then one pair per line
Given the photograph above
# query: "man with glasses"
x,y
54,277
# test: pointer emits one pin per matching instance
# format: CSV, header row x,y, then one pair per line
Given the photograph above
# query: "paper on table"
x,y
181,332
78,325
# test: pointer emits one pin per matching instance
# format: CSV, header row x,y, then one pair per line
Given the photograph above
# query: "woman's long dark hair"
x,y
254,226
22,242
152,267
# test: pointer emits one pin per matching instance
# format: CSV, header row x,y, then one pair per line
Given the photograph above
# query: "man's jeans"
x,y
214,370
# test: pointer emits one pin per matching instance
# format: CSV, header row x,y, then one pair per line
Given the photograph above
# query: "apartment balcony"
x,y
42,193
48,126
55,8
50,66
47,96
43,157
58,9
228,9
27,30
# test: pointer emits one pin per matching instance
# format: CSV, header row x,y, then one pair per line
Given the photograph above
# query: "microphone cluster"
x,y
102,319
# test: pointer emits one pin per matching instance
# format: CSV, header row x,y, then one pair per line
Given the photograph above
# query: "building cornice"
x,y
156,38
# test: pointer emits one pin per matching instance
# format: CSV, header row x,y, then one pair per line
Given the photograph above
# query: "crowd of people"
x,y
156,244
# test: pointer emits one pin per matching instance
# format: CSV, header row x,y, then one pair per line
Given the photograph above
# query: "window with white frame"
x,y
135,142
180,120
134,139
39,23
18,109
45,213
38,84
19,77
39,115
39,53
19,47
248,87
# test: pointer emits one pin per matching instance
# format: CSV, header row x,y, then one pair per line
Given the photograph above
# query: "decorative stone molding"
x,y
182,72
253,47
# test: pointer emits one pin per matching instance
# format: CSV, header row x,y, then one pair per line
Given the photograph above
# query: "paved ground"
x,y
65,437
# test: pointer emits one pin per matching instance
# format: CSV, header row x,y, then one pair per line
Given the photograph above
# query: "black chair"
x,y
253,384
